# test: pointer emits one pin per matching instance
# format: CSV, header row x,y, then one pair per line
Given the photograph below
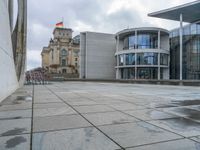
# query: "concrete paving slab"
x,y
15,127
27,105
58,123
82,102
135,134
7,115
107,118
183,144
77,139
93,108
126,106
48,105
149,114
181,126
197,139
17,142
53,111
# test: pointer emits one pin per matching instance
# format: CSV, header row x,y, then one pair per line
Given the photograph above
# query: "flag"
x,y
59,25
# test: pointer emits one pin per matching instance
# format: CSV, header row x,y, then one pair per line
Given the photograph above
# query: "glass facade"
x,y
130,59
147,73
144,41
191,53
121,60
147,41
143,60
129,42
147,58
164,59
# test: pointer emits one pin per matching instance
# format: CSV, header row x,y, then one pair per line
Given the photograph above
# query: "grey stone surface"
x,y
27,105
15,126
181,126
149,114
112,107
93,108
54,111
17,142
6,115
76,139
58,123
109,118
126,106
48,105
183,144
135,134
197,138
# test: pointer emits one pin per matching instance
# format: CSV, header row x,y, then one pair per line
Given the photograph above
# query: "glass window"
x,y
147,58
128,73
145,41
63,62
131,41
147,73
121,60
126,43
163,59
64,52
130,59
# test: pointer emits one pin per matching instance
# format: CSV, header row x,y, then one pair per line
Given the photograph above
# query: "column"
x,y
135,55
181,46
159,47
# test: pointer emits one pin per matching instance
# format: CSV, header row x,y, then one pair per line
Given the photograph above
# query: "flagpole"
x,y
63,22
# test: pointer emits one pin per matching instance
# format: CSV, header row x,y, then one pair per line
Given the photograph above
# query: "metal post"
x,y
181,46
159,47
136,47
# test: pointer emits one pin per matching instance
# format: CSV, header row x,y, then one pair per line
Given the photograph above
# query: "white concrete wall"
x,y
99,55
8,79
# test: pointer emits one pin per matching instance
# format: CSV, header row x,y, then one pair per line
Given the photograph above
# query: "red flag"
x,y
60,24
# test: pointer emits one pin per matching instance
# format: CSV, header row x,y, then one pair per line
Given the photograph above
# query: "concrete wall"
x,y
8,79
97,53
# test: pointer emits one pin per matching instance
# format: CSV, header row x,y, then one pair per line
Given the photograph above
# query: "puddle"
x,y
186,102
159,115
182,124
190,113
21,99
13,142
14,131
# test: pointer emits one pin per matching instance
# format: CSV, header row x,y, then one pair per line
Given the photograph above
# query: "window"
x,y
163,59
130,59
76,59
121,60
76,64
64,71
147,58
63,62
147,41
63,52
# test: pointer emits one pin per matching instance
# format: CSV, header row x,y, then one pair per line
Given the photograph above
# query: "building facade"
x,y
142,53
61,56
190,55
97,52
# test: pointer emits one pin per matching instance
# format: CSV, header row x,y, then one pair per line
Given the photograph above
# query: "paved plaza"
x,y
101,116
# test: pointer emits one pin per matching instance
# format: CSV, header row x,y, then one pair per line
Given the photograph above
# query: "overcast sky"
x,y
108,16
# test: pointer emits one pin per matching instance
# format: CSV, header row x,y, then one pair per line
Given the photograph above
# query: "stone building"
x,y
61,56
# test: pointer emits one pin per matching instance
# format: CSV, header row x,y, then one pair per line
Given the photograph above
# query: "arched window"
x,y
63,52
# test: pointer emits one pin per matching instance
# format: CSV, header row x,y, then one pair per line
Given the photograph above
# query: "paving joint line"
x,y
86,119
32,113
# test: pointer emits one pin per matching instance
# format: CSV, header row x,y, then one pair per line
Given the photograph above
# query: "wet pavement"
x,y
101,116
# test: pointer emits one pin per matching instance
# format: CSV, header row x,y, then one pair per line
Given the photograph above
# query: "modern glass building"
x,y
142,53
185,41
190,55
